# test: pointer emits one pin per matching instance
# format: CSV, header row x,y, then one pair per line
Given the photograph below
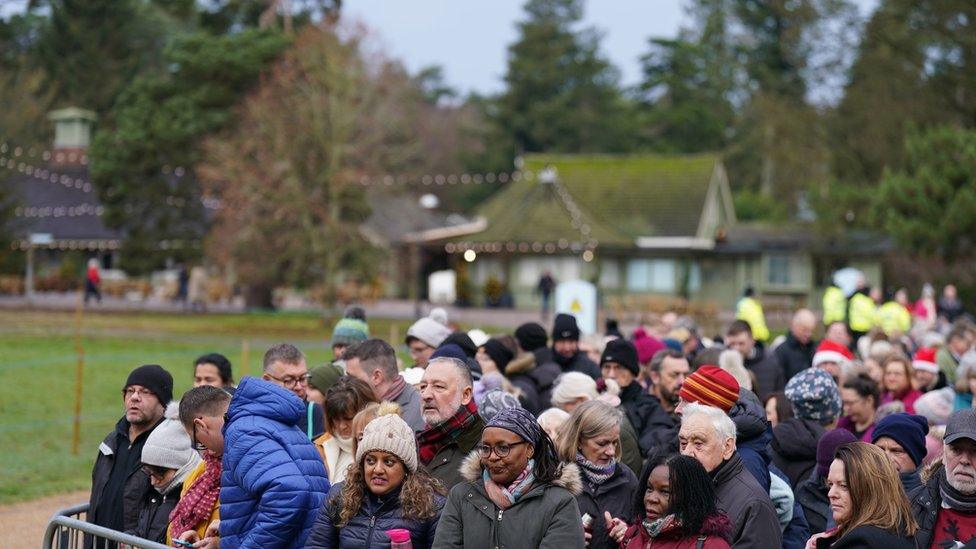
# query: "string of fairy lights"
x,y
42,167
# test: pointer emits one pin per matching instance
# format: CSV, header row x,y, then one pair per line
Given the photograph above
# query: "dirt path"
x,y
22,524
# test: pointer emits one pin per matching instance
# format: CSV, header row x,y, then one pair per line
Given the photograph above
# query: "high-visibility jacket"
x,y
861,313
894,317
751,311
834,306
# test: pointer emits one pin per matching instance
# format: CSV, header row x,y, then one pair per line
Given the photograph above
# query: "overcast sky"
x,y
469,38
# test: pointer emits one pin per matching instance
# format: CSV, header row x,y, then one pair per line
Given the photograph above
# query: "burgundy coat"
x,y
717,531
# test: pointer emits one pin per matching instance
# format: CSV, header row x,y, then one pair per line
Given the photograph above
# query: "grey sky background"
x,y
470,38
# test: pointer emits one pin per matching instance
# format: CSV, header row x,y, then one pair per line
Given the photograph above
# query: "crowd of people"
x,y
552,438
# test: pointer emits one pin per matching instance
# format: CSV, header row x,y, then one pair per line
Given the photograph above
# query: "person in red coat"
x,y
676,501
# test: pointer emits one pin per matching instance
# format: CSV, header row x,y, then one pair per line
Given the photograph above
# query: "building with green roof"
x,y
642,225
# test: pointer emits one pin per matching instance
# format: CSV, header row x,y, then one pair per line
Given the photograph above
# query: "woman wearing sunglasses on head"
x,y
516,494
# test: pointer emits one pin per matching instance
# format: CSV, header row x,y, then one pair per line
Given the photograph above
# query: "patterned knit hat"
x,y
830,351
814,395
925,360
389,433
712,386
349,331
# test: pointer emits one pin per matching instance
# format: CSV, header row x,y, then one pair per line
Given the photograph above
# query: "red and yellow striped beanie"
x,y
712,386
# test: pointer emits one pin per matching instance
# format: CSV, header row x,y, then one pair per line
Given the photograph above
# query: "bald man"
x,y
796,352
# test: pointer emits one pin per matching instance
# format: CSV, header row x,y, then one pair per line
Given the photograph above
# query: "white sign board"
x,y
41,239
442,287
578,298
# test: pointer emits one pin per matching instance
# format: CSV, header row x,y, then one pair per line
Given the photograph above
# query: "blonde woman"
x,y
591,440
867,502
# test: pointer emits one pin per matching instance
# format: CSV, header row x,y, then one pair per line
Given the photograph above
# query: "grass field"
x,y
37,378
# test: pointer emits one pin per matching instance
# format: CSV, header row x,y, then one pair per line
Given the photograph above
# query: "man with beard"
x,y
668,369
650,422
945,507
453,426
119,486
565,347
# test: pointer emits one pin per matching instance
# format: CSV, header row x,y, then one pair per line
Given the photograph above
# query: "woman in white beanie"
x,y
168,458
383,493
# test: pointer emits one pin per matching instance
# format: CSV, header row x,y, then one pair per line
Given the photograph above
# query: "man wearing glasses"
x,y
119,486
285,366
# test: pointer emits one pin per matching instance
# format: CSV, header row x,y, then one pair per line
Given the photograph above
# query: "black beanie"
x,y
499,353
154,378
463,341
565,327
531,336
623,353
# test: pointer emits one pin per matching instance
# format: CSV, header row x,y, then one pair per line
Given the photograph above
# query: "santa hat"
x,y
830,351
925,360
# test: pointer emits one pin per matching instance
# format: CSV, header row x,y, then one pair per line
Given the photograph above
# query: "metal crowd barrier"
x,y
68,530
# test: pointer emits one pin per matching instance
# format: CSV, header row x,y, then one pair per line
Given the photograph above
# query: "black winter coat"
x,y
793,357
870,537
812,496
615,495
534,373
769,375
794,448
926,500
754,521
154,517
136,487
649,420
368,528
578,363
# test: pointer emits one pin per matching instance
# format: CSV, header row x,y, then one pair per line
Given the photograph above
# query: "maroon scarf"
x,y
435,437
196,506
395,388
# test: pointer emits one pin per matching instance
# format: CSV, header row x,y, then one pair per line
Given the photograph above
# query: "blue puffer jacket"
x,y
367,530
273,481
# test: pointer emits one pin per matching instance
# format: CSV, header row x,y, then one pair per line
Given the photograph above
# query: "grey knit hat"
x,y
429,331
168,445
389,433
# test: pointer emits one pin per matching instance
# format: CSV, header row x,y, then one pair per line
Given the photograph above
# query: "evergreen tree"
x,y
930,206
143,158
561,94
687,86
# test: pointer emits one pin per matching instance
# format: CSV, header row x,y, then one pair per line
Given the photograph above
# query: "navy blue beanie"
x,y
908,430
450,350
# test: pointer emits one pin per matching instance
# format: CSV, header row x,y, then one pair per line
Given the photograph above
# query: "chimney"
x,y
72,134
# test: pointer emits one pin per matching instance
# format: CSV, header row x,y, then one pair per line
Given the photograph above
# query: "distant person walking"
x,y
93,281
547,285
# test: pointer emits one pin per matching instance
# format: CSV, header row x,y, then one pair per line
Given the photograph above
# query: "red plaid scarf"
x,y
435,437
196,506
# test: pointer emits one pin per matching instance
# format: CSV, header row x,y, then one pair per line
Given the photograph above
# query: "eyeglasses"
x,y
155,472
290,382
128,392
502,450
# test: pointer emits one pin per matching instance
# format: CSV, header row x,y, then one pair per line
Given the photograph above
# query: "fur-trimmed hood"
x,y
569,476
522,364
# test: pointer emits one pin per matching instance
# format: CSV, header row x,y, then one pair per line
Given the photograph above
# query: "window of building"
x,y
651,275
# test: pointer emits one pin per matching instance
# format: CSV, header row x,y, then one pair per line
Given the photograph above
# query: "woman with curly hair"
x,y
674,508
384,491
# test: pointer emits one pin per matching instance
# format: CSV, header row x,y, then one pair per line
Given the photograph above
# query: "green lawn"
x,y
37,378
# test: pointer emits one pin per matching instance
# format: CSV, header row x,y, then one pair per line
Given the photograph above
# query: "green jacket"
x,y
447,461
547,516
